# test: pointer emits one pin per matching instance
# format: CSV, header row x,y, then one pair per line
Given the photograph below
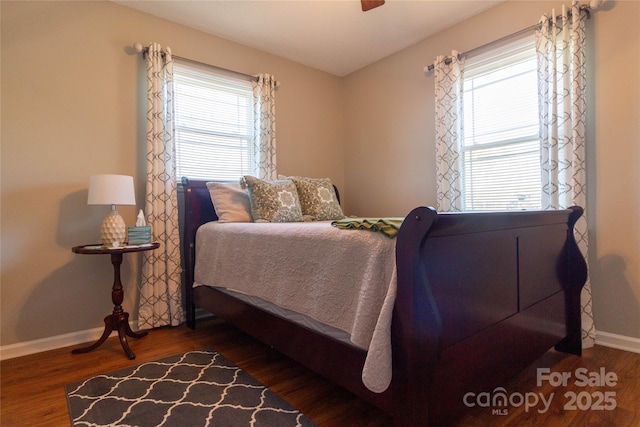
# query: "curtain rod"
x,y
144,50
584,8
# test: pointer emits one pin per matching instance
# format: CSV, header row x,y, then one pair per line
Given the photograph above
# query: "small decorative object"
x,y
140,221
141,233
112,190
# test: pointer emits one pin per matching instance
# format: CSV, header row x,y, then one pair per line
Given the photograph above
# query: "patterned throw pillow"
x,y
273,201
318,198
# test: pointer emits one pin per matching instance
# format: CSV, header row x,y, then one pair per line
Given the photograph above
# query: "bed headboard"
x,y
198,210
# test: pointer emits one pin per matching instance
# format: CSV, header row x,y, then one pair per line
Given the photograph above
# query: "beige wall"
x,y
73,106
389,140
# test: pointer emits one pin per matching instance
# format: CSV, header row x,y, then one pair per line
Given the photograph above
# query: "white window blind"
x,y
213,124
501,149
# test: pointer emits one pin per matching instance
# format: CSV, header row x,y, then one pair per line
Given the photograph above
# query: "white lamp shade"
x,y
111,190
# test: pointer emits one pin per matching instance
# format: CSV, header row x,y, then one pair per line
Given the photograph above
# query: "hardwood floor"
x,y
32,387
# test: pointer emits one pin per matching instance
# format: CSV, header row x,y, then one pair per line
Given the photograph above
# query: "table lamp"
x,y
112,190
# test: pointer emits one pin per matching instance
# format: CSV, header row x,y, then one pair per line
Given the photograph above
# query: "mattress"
x,y
294,317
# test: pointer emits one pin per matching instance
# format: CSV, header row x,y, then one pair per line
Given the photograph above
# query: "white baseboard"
x,y
621,342
606,339
52,343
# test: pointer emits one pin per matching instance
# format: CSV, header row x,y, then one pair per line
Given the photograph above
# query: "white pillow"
x,y
230,201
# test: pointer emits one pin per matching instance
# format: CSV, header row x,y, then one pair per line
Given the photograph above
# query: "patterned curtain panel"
x,y
560,45
160,291
264,91
447,73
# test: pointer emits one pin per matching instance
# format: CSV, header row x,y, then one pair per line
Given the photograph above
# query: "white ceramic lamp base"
x,y
113,229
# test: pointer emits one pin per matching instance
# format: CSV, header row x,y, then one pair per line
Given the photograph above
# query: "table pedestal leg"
x,y
119,319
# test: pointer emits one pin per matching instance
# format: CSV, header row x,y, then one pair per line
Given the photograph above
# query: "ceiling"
x,y
330,35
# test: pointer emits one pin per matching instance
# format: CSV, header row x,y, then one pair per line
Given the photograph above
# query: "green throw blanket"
x,y
387,226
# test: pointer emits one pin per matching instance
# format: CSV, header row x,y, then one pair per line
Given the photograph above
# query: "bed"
x,y
480,296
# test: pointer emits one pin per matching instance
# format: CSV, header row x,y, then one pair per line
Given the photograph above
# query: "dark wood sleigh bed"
x,y
480,297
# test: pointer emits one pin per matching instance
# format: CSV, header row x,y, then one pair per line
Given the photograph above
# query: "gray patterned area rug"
x,y
199,388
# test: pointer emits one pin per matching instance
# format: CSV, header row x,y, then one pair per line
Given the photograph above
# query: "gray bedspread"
x,y
344,279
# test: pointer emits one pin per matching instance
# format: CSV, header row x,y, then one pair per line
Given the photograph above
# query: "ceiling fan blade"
x,y
370,4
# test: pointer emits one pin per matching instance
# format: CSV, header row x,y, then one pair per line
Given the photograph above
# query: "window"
x,y
501,147
213,123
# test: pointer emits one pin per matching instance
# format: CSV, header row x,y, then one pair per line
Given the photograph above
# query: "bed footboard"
x,y
480,297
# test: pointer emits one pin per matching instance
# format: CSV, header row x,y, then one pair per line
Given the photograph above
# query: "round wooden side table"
x,y
119,319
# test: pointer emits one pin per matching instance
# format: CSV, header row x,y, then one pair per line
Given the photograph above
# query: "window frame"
x,y
476,69
227,135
